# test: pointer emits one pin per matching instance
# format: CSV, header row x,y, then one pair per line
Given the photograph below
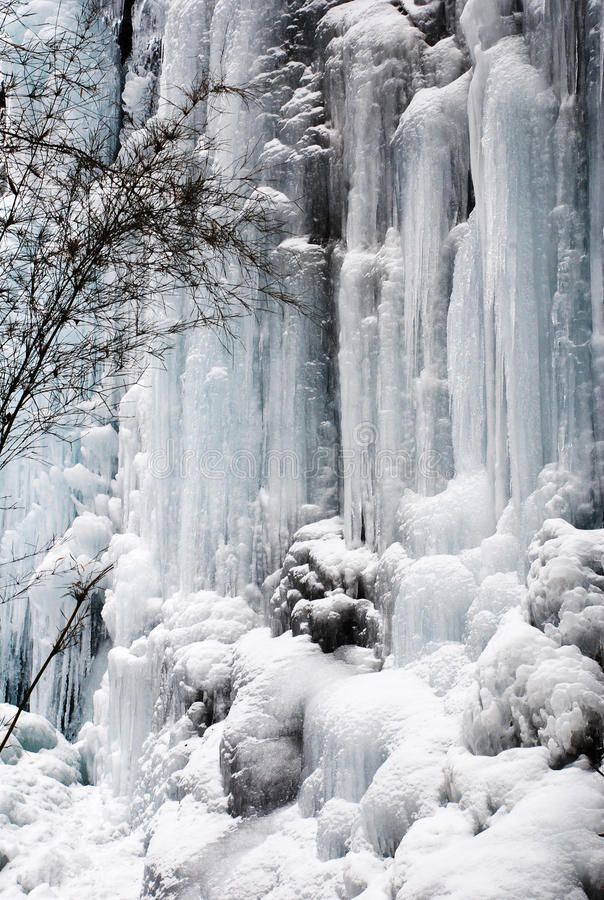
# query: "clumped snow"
x,y
551,835
532,691
566,586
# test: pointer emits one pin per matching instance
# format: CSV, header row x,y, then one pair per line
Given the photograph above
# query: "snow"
x,y
496,596
453,520
530,691
75,845
548,840
190,647
351,643
350,730
565,586
262,742
59,838
408,786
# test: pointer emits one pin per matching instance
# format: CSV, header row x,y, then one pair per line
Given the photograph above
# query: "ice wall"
x,y
375,141
434,184
372,474
248,435
56,511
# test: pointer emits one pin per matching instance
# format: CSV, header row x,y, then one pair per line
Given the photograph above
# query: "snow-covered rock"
x,y
531,691
566,586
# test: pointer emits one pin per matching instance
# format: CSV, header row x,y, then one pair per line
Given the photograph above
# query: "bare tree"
x,y
94,239
87,579
97,237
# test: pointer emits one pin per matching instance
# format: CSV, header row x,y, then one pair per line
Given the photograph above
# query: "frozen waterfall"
x,y
352,641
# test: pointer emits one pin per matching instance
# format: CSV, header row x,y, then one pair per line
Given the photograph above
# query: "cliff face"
x,y
365,479
437,175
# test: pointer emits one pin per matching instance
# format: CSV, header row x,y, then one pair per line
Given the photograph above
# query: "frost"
x,y
531,691
566,586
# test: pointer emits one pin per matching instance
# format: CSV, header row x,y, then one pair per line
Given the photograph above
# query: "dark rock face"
x,y
325,590
336,620
261,774
261,741
430,18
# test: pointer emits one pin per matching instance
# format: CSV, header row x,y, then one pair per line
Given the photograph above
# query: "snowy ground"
x,y
59,838
82,848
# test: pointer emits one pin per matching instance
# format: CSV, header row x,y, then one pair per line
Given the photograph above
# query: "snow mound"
x,y
455,519
36,750
52,828
261,752
409,785
391,569
531,691
496,596
350,729
545,834
566,586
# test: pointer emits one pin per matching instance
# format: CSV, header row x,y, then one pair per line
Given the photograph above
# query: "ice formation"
x,y
352,641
